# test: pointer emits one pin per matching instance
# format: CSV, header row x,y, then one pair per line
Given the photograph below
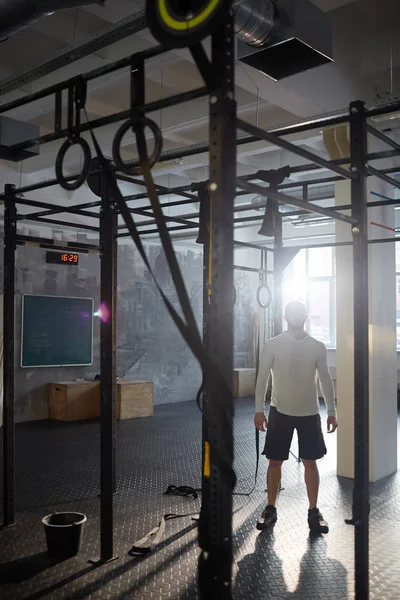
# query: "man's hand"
x,y
261,421
332,424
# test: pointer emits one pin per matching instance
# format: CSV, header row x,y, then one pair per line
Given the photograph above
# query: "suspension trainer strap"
x,y
187,328
151,540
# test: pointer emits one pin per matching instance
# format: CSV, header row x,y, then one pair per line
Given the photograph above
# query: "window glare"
x,y
398,294
309,279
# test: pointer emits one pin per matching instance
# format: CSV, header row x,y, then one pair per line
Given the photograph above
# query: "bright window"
x,y
398,294
320,310
320,262
309,278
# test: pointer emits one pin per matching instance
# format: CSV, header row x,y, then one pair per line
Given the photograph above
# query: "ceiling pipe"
x,y
255,20
15,15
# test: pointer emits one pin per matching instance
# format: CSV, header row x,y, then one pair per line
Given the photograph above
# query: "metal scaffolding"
x,y
215,532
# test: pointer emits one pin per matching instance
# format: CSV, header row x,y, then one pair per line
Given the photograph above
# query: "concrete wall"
x,y
149,345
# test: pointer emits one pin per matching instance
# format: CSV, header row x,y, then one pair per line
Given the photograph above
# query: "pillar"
x,y
382,339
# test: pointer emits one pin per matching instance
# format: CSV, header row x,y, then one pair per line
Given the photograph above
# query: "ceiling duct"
x,y
18,14
281,38
254,20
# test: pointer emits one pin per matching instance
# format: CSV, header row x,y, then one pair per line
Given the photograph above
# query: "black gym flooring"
x,y
58,469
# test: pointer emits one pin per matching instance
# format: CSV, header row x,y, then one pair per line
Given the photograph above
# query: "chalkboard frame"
x,y
30,366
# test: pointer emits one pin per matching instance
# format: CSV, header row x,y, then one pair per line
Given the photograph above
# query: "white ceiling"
x,y
367,66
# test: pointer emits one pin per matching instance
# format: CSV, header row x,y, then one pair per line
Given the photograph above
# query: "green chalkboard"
x,y
56,331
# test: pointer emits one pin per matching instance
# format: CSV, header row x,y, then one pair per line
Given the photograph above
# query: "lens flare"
x,y
103,313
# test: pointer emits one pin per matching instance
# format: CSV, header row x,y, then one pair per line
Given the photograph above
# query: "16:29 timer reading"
x,y
72,258
62,258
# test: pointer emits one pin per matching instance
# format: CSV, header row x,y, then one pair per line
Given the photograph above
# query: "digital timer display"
x,y
62,258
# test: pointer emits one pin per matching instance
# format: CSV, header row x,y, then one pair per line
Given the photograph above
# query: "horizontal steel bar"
x,y
385,240
160,188
103,121
383,176
250,177
148,231
62,209
94,74
53,211
323,245
254,246
56,222
152,223
296,213
27,239
319,122
384,138
384,154
249,269
277,141
195,215
385,109
340,244
180,154
42,185
168,204
284,199
256,218
148,213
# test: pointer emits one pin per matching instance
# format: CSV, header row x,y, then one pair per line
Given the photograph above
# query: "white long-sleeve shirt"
x,y
294,365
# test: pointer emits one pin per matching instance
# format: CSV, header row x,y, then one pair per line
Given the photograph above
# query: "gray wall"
x,y
149,345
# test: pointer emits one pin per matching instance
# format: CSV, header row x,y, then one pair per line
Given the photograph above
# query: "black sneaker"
x,y
316,522
268,518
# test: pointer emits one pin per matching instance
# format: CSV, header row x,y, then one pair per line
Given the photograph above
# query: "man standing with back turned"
x,y
294,359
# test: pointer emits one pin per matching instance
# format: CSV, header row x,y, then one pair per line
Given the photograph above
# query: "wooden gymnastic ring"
x,y
260,289
87,157
133,124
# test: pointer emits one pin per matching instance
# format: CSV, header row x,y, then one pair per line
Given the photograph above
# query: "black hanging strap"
x,y
188,329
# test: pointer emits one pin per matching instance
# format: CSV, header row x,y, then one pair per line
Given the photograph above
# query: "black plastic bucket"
x,y
64,534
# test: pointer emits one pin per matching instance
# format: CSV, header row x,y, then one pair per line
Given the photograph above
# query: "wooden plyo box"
x,y
134,399
79,400
74,401
244,383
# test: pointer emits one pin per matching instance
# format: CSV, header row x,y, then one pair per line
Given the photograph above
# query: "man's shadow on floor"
x,y
260,575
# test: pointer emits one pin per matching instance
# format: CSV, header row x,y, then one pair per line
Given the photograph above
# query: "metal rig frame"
x,y
218,337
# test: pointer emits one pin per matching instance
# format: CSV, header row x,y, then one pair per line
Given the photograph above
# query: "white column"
x,y
382,339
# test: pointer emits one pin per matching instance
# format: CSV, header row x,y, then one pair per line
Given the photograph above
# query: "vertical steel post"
x,y
205,506
10,232
215,534
359,210
278,279
267,320
108,425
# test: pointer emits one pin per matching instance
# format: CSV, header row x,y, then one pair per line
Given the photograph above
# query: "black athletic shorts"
x,y
280,434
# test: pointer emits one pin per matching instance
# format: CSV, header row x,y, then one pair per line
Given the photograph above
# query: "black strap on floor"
x,y
182,490
151,540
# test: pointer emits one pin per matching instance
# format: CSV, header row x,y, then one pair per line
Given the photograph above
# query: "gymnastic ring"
x,y
260,289
87,157
133,124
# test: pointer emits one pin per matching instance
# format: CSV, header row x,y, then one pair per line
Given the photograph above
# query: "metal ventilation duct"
x,y
254,20
282,37
18,14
